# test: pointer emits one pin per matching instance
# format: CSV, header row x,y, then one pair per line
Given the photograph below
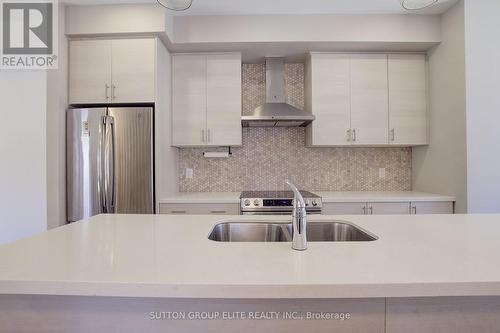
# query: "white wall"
x,y
23,177
441,167
57,102
482,39
308,28
167,181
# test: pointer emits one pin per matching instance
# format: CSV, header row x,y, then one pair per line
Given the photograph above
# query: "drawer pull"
x,y
218,212
178,212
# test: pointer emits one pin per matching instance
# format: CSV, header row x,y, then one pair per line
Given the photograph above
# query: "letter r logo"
x,y
27,28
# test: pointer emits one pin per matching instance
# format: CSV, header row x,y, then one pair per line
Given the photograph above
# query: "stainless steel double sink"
x,y
330,231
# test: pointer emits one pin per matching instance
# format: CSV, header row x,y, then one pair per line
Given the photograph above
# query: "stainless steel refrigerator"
x,y
110,161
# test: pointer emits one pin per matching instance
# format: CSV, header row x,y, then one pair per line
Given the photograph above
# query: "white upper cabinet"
x,y
90,71
112,71
207,100
367,99
224,100
133,62
369,104
328,90
407,99
189,100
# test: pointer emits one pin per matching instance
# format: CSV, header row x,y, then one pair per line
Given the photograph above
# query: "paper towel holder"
x,y
218,154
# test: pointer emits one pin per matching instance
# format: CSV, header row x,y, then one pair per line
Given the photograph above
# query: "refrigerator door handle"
x,y
100,166
109,165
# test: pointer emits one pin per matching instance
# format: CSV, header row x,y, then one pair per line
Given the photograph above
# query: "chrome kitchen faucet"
x,y
299,223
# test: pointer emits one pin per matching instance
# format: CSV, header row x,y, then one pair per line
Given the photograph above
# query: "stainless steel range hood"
x,y
275,112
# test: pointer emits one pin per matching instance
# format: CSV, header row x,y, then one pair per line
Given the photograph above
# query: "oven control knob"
x,y
256,203
247,202
315,203
307,203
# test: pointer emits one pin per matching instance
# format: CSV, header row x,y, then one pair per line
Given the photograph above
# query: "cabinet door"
x,y
407,99
432,208
89,71
189,119
389,208
200,209
133,71
344,208
330,99
224,100
369,102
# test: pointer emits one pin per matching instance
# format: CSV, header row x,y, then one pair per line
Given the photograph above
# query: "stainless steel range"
x,y
277,202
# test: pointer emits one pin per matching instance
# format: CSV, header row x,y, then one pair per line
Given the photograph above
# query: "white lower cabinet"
x,y
420,208
333,208
344,208
387,208
200,209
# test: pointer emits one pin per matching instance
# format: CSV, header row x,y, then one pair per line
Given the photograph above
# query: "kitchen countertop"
x,y
402,196
170,256
234,197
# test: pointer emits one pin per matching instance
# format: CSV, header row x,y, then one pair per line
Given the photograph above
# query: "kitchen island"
x,y
119,269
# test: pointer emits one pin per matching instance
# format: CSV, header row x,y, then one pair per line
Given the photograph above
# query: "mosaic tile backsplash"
x,y
269,156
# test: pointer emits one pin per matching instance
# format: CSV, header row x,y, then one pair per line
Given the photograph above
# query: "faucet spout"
x,y
299,220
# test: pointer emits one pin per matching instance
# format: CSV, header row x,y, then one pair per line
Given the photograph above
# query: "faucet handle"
x,y
299,199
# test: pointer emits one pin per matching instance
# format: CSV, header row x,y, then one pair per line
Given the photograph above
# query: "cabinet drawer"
x,y
388,208
344,208
419,208
200,209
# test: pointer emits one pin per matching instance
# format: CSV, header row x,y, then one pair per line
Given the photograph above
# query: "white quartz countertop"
x,y
170,256
234,197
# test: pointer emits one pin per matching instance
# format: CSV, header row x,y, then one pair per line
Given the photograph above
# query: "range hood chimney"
x,y
275,112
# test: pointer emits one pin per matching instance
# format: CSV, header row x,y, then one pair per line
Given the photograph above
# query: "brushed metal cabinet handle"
x,y
113,92
354,135
370,209
414,209
348,135
393,135
107,91
202,135
364,210
178,212
209,136
218,212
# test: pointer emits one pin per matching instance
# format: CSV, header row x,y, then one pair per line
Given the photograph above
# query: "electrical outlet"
x,y
189,173
381,173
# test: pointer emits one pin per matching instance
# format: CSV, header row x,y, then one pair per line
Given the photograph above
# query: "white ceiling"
x,y
264,7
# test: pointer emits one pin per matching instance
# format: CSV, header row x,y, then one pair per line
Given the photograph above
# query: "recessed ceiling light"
x,y
417,4
176,5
